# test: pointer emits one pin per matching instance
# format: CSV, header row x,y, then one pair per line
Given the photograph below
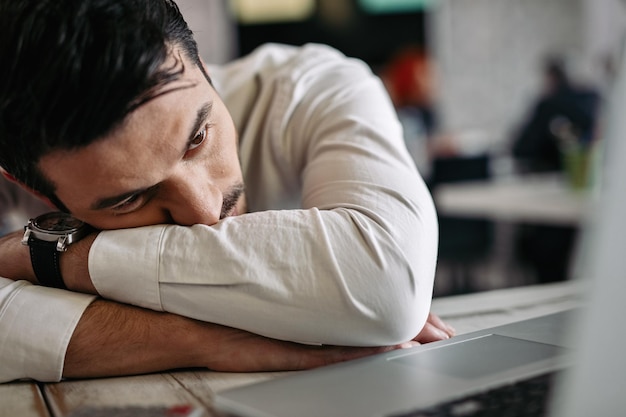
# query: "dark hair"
x,y
72,70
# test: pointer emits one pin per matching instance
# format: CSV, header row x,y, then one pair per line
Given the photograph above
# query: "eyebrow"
x,y
103,203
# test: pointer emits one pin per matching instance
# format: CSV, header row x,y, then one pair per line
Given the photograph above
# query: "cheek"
x,y
222,158
227,140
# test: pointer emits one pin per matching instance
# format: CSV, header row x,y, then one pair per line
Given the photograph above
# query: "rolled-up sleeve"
x,y
36,324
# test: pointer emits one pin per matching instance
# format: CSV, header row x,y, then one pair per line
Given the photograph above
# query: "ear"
x,y
37,194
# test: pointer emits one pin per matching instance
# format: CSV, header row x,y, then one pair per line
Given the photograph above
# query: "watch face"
x,y
57,222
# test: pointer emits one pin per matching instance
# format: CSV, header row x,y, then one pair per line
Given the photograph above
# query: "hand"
x,y
241,351
434,329
245,352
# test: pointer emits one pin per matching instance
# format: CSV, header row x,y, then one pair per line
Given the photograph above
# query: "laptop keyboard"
x,y
524,398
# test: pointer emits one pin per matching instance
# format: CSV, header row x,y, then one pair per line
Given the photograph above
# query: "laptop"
x,y
583,348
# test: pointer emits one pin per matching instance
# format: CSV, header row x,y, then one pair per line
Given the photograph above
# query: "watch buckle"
x,y
62,244
26,236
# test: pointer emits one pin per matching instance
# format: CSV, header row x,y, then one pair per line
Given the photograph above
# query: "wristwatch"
x,y
47,236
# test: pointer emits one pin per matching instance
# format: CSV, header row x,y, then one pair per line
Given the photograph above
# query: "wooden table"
x,y
537,199
78,398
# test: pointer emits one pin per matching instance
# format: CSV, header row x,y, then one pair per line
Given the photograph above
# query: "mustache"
x,y
231,198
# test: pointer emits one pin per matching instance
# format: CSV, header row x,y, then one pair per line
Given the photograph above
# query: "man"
x,y
227,226
561,125
565,112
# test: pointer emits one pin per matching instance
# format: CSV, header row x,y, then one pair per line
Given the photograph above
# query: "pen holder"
x,y
577,166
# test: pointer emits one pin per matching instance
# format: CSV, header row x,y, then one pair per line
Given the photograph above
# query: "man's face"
x,y
173,160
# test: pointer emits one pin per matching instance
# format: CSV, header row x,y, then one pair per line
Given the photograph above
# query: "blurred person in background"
x,y
410,79
564,115
557,136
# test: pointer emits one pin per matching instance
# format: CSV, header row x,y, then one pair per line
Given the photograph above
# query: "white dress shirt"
x,y
339,245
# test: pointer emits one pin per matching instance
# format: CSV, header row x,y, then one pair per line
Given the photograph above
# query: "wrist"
x,y
74,265
58,258
15,258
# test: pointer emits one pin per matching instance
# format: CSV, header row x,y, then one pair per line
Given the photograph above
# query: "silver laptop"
x,y
397,383
584,346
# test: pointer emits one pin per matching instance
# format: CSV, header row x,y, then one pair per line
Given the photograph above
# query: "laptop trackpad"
x,y
482,356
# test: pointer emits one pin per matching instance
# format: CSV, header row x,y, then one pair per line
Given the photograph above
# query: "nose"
x,y
189,197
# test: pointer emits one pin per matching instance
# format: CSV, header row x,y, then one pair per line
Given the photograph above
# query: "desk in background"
x,y
538,199
197,387
534,222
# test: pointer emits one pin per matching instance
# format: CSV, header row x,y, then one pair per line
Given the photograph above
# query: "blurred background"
x,y
501,101
502,105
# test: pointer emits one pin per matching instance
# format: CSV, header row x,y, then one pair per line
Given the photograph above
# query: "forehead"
x,y
137,152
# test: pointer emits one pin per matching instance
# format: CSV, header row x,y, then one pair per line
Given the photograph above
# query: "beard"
x,y
231,198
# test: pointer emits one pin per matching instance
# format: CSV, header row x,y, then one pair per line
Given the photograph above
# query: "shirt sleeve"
x,y
354,265
36,324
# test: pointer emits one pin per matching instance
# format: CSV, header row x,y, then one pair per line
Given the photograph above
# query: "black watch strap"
x,y
45,260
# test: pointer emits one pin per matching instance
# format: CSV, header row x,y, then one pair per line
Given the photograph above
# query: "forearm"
x,y
116,339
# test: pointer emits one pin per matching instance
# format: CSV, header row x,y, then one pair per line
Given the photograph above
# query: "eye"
x,y
132,203
135,201
199,138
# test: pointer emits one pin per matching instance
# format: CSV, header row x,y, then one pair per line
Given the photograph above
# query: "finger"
x,y
436,321
431,333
